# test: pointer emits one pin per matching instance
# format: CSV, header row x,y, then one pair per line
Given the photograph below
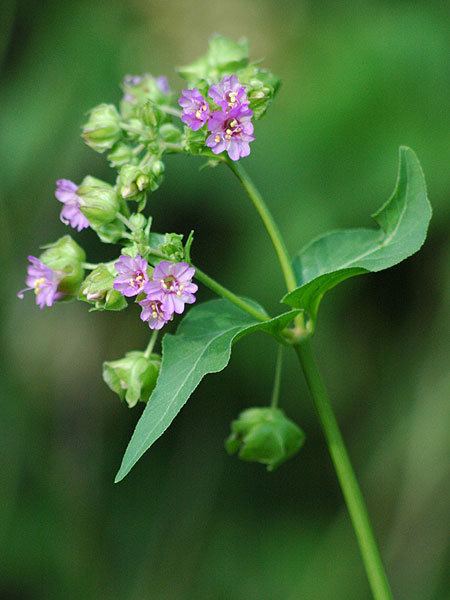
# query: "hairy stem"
x,y
346,475
269,223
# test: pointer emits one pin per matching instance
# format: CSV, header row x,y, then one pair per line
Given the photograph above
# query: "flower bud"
x,y
172,247
137,221
67,257
170,133
120,155
134,181
132,377
97,289
102,130
98,201
264,435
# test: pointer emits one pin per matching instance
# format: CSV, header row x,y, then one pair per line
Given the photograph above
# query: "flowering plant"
x,y
213,117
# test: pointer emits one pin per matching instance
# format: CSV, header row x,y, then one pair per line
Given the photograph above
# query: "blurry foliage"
x,y
359,79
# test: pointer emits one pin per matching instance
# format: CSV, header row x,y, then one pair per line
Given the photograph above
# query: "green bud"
x,y
97,289
120,155
158,169
132,377
170,133
66,256
98,201
102,130
132,181
264,435
172,247
137,221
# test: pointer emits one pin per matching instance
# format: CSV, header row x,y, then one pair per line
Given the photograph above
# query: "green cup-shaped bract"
x,y
121,154
102,130
98,201
97,289
132,377
264,435
67,257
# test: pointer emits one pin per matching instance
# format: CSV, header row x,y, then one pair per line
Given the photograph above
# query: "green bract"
x,y
264,435
102,130
336,256
201,345
98,201
97,289
67,257
132,377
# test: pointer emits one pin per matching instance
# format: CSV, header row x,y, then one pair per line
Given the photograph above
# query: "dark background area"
x,y
359,79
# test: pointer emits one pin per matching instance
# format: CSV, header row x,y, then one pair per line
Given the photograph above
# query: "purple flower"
x,y
43,281
172,285
195,108
132,275
154,314
163,84
228,93
231,131
66,192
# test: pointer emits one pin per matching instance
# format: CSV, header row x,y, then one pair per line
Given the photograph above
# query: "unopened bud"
x,y
98,201
102,130
97,289
264,435
132,377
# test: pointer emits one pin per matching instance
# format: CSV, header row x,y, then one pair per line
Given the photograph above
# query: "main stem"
x,y
269,223
344,470
347,478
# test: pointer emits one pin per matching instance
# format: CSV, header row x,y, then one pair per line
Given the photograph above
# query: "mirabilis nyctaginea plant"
x,y
213,117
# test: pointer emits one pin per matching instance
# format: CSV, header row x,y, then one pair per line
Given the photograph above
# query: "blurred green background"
x,y
359,79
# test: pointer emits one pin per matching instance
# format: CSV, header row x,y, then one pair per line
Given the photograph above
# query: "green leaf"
x,y
337,255
201,345
223,56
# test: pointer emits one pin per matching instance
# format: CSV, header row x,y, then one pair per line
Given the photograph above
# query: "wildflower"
x,y
231,131
66,192
195,109
154,313
229,93
172,285
43,281
132,275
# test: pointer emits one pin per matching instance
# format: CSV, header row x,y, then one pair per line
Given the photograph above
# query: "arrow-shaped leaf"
x,y
337,255
201,345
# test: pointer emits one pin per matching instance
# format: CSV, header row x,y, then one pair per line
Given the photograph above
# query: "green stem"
x,y
269,223
347,479
277,379
151,344
222,291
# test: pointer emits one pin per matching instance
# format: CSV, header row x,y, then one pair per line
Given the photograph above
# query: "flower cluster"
x,y
224,94
166,292
230,124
